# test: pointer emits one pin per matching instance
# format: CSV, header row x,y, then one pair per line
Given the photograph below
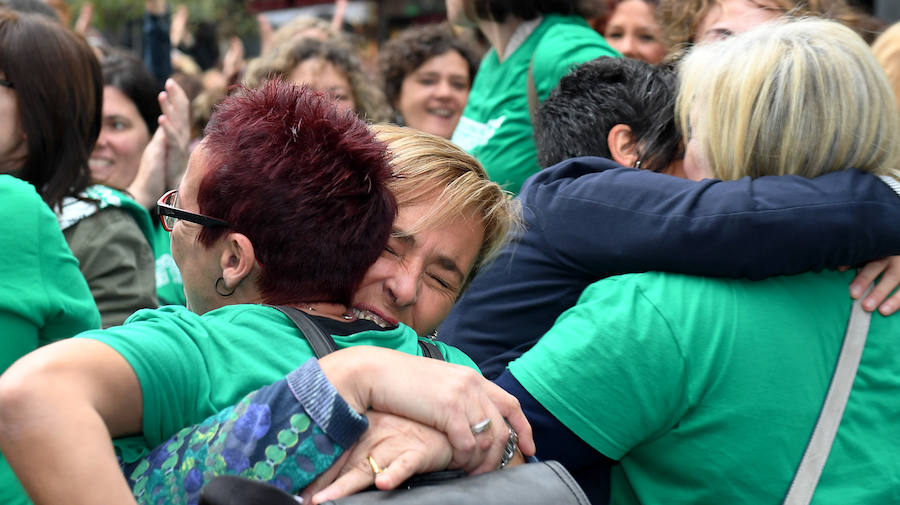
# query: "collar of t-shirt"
x,y
519,36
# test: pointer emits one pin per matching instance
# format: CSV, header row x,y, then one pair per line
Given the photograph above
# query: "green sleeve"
x,y
171,369
43,296
117,262
610,368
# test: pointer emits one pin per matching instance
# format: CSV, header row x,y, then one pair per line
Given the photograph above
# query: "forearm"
x,y
300,427
55,426
56,462
752,228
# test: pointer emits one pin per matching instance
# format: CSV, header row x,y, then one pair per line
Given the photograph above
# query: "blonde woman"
x,y
706,390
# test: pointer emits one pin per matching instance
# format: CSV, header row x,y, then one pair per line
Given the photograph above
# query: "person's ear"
x,y
237,260
622,147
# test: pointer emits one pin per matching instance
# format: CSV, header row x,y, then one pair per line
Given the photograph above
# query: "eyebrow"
x,y
445,262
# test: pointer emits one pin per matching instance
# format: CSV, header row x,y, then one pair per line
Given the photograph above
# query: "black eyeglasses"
x,y
169,213
8,84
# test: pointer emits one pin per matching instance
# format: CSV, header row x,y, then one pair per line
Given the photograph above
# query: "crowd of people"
x,y
624,235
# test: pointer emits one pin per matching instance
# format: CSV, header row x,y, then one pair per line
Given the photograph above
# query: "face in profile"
x,y
433,96
13,148
123,137
633,31
325,77
728,17
419,275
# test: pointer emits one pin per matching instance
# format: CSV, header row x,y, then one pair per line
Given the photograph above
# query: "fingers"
x,y
355,475
512,411
866,276
889,269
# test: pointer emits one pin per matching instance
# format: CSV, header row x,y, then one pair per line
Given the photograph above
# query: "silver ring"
x,y
481,426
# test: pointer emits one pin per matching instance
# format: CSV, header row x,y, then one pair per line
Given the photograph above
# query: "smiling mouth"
x,y
371,316
99,163
442,113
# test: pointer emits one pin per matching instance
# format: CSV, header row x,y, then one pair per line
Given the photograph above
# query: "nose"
x,y
443,89
403,287
102,139
628,47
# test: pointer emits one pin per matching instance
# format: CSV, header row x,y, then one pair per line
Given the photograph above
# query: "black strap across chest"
x,y
322,344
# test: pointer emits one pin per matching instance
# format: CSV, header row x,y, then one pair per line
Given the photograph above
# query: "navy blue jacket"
x,y
589,218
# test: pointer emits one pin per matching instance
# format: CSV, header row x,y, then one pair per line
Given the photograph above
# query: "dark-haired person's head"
x,y
301,186
130,113
462,11
617,108
427,72
53,80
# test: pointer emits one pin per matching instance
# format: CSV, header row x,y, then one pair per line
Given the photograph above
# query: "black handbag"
x,y
542,483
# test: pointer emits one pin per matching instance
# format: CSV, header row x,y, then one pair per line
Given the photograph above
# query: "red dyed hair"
x,y
305,183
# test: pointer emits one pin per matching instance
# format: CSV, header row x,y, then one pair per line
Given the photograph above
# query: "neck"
x,y
499,33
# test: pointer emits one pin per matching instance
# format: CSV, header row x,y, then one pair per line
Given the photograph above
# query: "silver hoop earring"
x,y
637,164
219,290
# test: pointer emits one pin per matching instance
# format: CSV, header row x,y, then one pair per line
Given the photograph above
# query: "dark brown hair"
x,y
59,88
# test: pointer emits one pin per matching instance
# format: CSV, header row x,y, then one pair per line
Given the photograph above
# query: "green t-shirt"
x,y
191,366
169,286
43,296
707,390
496,124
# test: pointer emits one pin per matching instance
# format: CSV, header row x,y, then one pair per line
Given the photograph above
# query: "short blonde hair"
x,y
424,163
800,97
887,52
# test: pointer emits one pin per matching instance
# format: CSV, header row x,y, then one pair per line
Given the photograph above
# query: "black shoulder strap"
x,y
429,350
321,342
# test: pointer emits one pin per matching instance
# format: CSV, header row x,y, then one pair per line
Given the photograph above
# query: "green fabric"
x,y
707,390
192,366
169,286
496,125
43,297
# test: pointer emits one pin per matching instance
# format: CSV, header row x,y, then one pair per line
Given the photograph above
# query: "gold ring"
x,y
375,468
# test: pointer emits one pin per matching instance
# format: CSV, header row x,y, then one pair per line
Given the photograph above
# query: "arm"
x,y
157,44
301,418
754,228
94,390
117,262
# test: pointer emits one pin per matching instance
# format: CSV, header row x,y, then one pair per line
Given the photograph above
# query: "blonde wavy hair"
x,y
424,164
800,97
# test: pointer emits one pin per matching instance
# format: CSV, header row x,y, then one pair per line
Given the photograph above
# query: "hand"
x,y
265,33
889,269
233,61
447,397
179,25
400,446
85,18
165,158
176,123
337,20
